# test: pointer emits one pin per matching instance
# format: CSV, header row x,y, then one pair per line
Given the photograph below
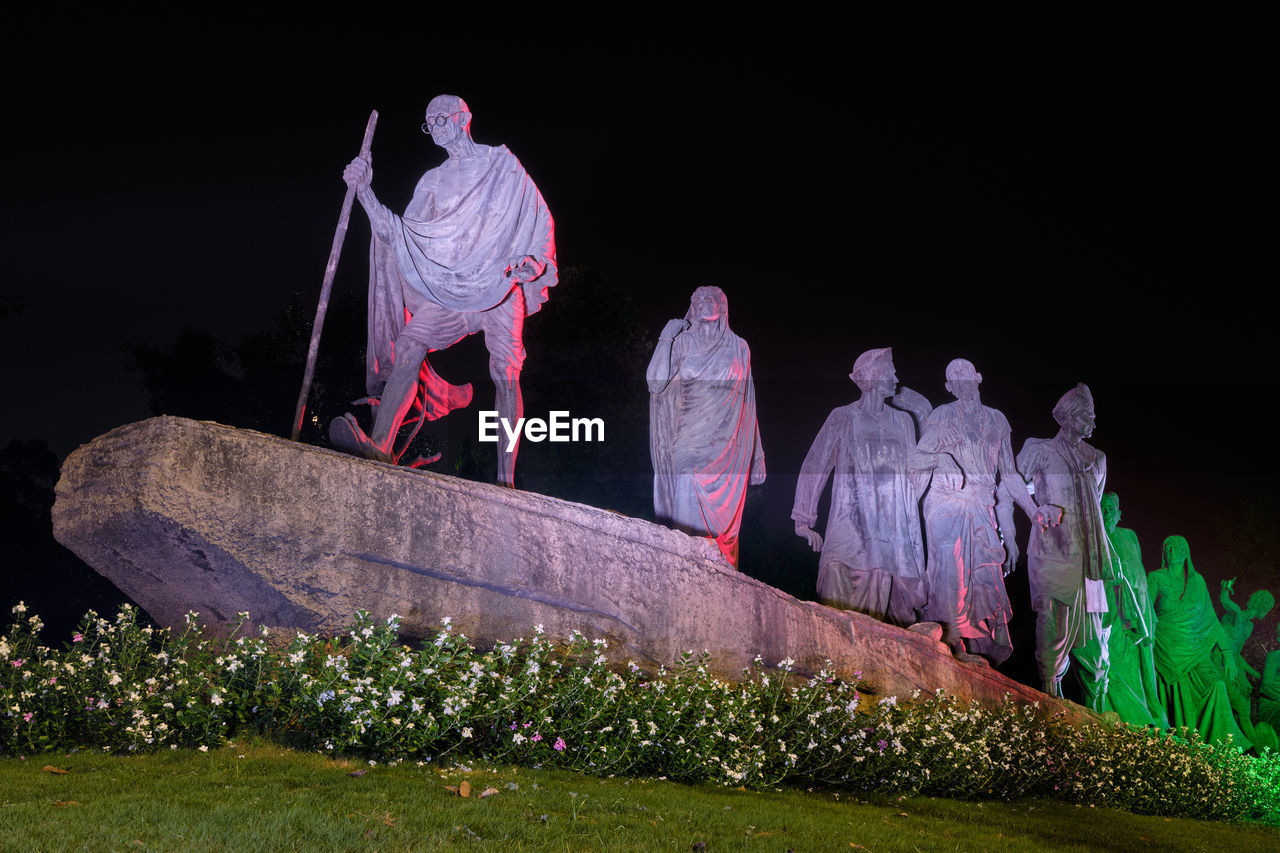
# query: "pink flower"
x,y
559,744
77,637
536,737
27,716
19,662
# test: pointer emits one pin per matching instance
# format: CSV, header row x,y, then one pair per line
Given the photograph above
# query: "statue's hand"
x,y
947,465
810,535
1011,556
1048,516
673,328
1229,666
358,174
1229,586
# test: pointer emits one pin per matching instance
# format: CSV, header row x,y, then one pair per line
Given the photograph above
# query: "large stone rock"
x,y
184,515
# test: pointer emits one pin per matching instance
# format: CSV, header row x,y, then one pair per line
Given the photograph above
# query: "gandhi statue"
x,y
872,558
965,447
1068,564
473,252
703,437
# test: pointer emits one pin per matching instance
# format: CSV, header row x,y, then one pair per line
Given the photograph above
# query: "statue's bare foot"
x,y
965,656
345,434
932,630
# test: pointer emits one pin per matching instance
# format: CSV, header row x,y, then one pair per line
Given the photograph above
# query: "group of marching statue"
x,y
1147,647
475,252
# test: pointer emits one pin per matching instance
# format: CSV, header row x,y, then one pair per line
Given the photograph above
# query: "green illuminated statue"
x,y
1131,681
1269,688
1187,632
1238,625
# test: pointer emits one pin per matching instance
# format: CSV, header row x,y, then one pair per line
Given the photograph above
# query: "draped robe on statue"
x,y
1269,691
446,260
872,557
1067,563
964,571
703,437
1193,688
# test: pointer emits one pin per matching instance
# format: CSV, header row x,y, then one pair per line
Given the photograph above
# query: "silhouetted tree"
x,y
53,582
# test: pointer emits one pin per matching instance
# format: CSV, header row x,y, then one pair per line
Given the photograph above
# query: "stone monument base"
x,y
184,515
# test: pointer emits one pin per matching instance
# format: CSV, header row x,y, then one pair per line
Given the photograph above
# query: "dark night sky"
x,y
1059,196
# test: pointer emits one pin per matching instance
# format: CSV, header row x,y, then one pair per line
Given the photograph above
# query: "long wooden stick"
x,y
329,271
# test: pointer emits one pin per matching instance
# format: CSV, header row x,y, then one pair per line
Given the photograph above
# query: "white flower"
x,y
204,748
215,699
466,731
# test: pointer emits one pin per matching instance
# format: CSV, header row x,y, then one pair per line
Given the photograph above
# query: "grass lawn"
x,y
253,796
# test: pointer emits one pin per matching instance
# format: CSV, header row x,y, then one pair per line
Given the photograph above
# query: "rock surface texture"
x,y
184,515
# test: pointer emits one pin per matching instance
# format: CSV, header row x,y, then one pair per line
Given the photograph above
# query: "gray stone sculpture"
x,y
872,558
966,447
474,251
1068,563
703,436
1131,682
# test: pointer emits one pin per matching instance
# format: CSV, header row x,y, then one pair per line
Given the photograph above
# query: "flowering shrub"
x,y
122,687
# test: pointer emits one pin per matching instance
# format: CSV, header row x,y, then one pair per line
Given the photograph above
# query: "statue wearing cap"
x,y
872,557
965,448
1068,564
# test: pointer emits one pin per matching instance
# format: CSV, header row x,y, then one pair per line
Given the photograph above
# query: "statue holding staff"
x,y
473,252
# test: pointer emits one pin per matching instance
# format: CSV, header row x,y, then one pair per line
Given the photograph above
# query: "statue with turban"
x,y
872,557
1068,564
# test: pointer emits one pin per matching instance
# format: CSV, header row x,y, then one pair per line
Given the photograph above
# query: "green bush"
x,y
122,687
